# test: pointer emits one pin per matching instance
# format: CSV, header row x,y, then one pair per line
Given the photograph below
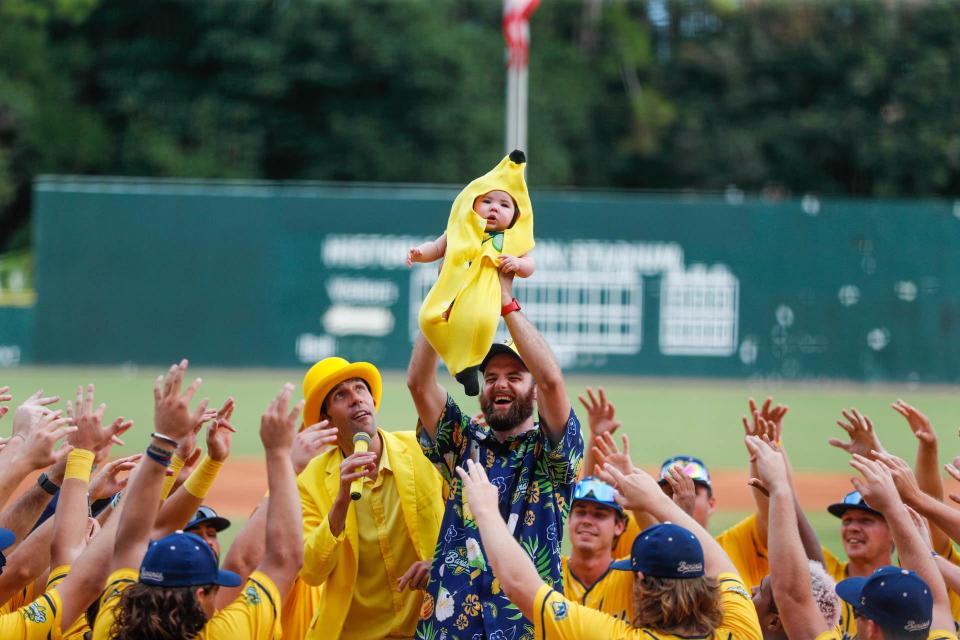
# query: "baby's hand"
x,y
509,264
415,255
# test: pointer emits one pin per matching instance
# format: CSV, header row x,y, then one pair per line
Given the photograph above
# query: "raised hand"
x,y
919,423
482,496
683,490
4,397
863,438
605,452
601,414
876,485
508,264
902,474
770,464
219,431
91,434
278,427
171,411
28,414
311,442
40,450
108,482
637,490
954,471
416,577
766,420
414,255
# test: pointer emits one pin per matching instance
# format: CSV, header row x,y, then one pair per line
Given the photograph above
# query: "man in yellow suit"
x,y
372,555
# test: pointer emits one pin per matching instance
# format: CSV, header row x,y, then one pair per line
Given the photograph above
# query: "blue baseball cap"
x,y
664,551
592,489
206,515
693,467
896,599
183,560
852,500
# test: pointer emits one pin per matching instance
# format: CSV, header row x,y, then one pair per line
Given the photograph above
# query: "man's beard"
x,y
520,409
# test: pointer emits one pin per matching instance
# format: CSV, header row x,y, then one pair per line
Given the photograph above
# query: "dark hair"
x,y
159,613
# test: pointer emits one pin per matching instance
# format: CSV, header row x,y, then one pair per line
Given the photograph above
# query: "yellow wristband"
x,y
200,481
174,470
79,464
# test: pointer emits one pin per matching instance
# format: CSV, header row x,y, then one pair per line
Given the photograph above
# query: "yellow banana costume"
x,y
468,284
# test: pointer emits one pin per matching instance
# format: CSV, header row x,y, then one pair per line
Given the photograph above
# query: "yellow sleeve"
x,y
556,618
74,630
739,614
937,634
254,614
298,607
746,550
319,544
38,620
116,583
836,569
832,634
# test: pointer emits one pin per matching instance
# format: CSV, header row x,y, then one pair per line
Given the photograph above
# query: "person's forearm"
x,y
525,266
513,567
141,503
763,505
27,562
428,396
177,510
70,520
938,514
20,516
927,471
915,555
12,470
283,556
950,573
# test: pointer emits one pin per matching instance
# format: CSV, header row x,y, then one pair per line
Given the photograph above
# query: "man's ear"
x,y
774,625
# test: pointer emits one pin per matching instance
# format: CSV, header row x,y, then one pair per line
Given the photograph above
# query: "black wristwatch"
x,y
47,484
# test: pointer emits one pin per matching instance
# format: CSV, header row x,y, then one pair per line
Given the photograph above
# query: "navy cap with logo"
x,y
664,551
852,500
899,601
206,515
183,560
507,347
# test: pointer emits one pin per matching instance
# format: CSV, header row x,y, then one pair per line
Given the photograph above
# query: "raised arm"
x,y
283,556
878,488
33,451
428,251
428,396
789,574
511,564
552,401
172,421
601,419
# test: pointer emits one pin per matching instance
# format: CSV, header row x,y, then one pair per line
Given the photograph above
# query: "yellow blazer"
x,y
332,561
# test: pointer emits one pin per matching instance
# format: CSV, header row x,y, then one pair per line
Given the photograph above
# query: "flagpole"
x,y
516,31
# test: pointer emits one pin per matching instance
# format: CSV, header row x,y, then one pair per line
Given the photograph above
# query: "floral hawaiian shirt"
x,y
535,477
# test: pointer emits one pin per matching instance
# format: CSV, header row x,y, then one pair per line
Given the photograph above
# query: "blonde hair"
x,y
824,593
668,604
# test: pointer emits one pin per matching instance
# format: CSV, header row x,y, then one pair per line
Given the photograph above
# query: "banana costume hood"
x,y
469,284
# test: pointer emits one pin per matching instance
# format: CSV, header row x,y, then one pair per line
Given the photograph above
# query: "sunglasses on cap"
x,y
596,490
693,467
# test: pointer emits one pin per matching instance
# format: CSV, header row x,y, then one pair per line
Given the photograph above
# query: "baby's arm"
x,y
428,251
522,266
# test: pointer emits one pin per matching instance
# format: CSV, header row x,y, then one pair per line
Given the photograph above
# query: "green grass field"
x,y
662,417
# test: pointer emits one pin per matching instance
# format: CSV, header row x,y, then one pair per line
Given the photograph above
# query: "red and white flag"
x,y
516,30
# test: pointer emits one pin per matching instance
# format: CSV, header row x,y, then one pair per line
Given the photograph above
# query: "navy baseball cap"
x,y
896,599
7,538
206,515
592,489
852,500
506,347
183,560
664,551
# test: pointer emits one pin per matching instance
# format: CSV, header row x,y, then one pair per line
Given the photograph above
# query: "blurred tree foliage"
x,y
851,97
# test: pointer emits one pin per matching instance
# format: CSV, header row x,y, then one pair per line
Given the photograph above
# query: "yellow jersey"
x,y
254,615
38,620
741,542
612,593
839,571
298,607
78,627
950,555
556,617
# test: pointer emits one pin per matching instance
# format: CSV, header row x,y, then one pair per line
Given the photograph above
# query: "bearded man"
x,y
534,466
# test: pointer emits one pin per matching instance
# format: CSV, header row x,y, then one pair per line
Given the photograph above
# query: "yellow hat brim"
x,y
315,395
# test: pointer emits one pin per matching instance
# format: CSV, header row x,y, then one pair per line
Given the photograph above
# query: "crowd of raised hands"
x,y
89,514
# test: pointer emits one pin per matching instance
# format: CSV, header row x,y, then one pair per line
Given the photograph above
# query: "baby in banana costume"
x,y
490,229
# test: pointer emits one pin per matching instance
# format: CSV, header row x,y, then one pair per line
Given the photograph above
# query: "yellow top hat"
x,y
328,373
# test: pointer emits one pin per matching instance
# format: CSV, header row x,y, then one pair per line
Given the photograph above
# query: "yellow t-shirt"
x,y
950,554
298,607
555,617
37,620
386,551
78,627
22,597
253,615
741,542
612,593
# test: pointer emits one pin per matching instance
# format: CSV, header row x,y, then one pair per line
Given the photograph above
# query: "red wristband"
x,y
510,307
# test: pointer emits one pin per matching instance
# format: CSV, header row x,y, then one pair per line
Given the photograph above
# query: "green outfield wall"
x,y
264,274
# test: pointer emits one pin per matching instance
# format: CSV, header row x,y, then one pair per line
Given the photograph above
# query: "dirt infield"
x,y
243,481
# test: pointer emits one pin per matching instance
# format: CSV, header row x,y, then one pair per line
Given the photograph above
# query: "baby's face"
x,y
497,208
